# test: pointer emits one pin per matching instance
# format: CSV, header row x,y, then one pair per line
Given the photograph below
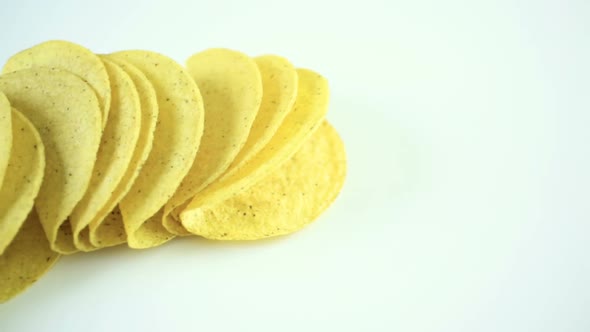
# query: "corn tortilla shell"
x,y
60,54
107,228
307,114
287,200
231,86
114,154
65,112
26,259
5,134
176,141
23,178
279,79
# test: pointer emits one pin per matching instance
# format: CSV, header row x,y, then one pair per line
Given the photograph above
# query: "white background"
x,y
466,207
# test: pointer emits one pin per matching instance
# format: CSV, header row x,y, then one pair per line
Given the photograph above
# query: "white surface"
x,y
466,205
